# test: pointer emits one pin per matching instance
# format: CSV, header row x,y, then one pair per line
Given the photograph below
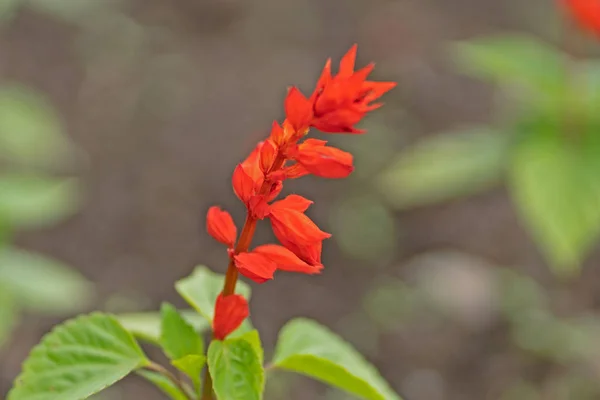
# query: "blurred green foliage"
x,y
32,143
545,147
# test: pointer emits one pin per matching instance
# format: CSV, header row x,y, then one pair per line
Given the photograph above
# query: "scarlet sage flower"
x,y
339,102
261,263
220,226
586,13
290,224
230,312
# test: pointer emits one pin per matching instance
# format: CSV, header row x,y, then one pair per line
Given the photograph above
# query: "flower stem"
x,y
242,245
170,376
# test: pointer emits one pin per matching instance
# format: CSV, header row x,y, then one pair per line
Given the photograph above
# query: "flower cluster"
x,y
336,105
586,13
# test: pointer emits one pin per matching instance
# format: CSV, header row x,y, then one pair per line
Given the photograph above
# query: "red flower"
x,y
230,312
220,226
293,228
322,160
586,13
341,101
286,260
261,263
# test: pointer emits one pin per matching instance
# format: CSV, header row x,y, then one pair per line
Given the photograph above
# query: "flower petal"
x,y
298,110
243,184
293,202
324,161
220,226
255,266
293,226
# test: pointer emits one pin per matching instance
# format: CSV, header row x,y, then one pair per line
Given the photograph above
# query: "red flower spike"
x,y
286,260
341,101
268,152
278,135
258,207
220,226
255,266
230,312
324,161
243,184
586,13
292,172
298,110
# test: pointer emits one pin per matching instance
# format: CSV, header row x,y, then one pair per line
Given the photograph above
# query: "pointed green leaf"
x,y
191,365
146,325
557,191
236,370
28,201
202,287
164,384
308,348
77,359
444,167
178,338
517,61
43,284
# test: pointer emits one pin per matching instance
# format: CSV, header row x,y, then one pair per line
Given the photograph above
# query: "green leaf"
x,y
308,348
191,365
556,188
31,133
253,338
28,201
445,167
8,313
515,61
147,326
236,370
178,338
77,359
43,284
164,384
202,287
74,11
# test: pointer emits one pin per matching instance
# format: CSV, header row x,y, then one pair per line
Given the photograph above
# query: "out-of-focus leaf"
x,y
515,61
77,359
236,370
146,326
520,294
43,284
311,349
31,133
34,201
8,313
8,8
557,191
444,167
178,338
376,237
73,10
164,384
202,287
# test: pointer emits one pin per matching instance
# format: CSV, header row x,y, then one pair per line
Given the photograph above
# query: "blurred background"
x,y
121,122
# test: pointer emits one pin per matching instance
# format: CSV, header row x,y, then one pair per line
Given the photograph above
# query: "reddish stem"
x,y
242,245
